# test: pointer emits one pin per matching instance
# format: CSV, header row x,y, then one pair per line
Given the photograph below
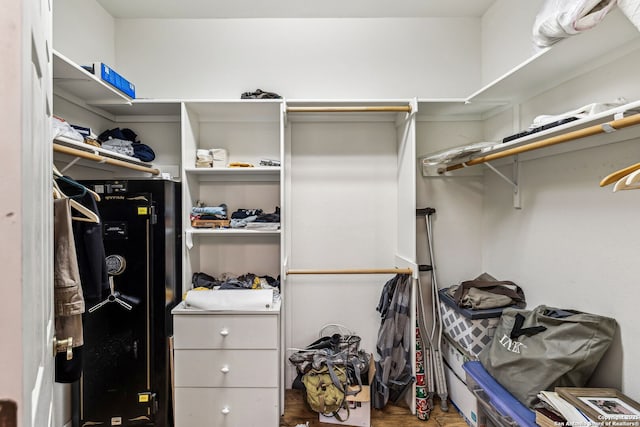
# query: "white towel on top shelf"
x,y
559,19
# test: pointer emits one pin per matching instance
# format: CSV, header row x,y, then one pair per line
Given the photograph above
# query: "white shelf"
x,y
236,110
454,109
581,143
71,79
260,173
96,157
231,232
164,109
611,39
250,130
99,150
257,170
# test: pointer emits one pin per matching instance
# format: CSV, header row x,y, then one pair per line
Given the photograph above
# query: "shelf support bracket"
x,y
70,164
514,182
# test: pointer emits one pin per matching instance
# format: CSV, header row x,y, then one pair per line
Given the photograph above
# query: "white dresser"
x,y
226,367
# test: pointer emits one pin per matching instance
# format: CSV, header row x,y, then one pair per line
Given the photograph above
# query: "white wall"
x,y
506,36
458,204
342,215
572,245
84,32
300,58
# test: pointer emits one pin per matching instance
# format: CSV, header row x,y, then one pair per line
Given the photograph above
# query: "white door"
x,y
26,319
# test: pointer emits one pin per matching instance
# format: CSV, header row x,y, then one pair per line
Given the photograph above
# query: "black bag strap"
x,y
501,287
517,330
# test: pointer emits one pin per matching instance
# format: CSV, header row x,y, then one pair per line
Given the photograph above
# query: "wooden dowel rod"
x,y
356,271
569,136
354,109
103,159
615,176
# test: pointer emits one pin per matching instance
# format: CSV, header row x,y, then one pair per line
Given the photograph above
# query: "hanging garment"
x,y
68,299
393,371
91,255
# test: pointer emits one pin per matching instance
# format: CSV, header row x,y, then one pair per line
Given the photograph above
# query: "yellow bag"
x,y
325,389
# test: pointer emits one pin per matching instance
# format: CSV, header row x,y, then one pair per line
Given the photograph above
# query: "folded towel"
x,y
559,19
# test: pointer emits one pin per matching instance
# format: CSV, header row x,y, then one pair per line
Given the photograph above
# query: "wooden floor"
x,y
296,412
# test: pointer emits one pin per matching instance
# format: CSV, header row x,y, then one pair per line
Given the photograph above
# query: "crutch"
x,y
424,395
435,335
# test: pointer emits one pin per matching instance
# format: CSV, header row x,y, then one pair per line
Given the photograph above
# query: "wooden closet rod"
x,y
356,271
353,109
569,136
103,159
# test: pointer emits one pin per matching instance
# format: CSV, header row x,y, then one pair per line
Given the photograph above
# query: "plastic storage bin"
x,y
472,330
494,401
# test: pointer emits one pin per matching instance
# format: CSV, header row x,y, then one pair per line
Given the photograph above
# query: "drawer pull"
x,y
224,369
225,410
224,332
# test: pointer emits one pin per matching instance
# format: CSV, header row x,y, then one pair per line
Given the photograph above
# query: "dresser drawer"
x,y
225,331
226,368
231,407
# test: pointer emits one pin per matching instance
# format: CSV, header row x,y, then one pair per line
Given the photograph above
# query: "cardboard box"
x,y
462,398
359,405
454,356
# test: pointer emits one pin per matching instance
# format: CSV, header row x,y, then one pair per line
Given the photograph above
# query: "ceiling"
x,y
191,9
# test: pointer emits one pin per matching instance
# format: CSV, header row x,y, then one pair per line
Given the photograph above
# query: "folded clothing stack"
x,y
256,219
125,141
226,281
203,216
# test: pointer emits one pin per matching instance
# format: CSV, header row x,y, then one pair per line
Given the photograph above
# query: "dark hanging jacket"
x,y
393,371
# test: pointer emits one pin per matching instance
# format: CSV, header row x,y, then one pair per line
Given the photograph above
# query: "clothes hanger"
x,y
615,176
84,189
89,215
633,178
624,184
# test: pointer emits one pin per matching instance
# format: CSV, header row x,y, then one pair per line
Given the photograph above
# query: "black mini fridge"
x,y
125,369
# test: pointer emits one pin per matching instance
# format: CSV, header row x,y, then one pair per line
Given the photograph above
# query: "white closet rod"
x,y
103,159
356,271
352,109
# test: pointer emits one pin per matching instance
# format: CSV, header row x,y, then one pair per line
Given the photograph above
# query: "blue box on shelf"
x,y
108,75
